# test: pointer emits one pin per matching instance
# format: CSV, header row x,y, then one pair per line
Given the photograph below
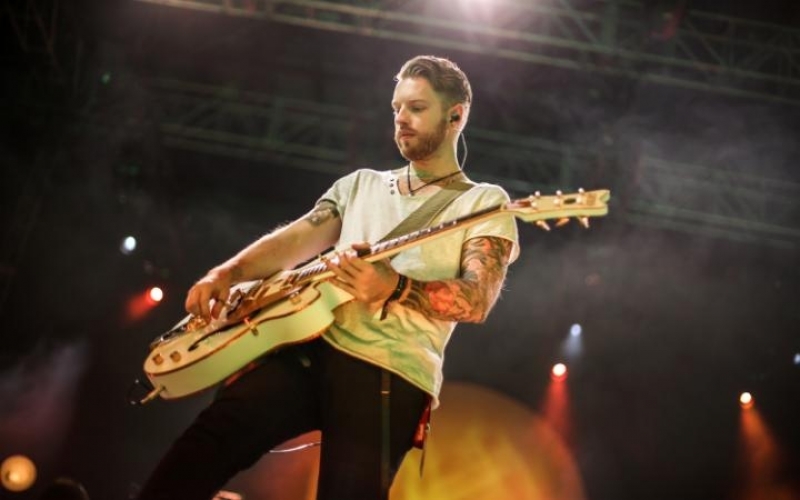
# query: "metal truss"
x,y
698,199
314,136
696,50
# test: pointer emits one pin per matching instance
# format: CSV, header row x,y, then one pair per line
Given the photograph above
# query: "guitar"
x,y
297,305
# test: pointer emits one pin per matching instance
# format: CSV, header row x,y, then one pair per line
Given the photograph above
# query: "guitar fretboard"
x,y
383,249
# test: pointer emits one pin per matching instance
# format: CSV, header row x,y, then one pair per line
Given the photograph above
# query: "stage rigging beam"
x,y
314,136
713,201
695,50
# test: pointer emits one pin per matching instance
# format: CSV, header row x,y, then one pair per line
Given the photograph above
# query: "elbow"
x,y
476,317
481,313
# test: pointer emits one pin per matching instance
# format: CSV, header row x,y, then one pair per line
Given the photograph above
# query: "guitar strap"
x,y
422,216
418,219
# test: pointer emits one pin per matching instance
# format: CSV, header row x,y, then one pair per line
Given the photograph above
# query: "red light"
x,y
156,294
559,371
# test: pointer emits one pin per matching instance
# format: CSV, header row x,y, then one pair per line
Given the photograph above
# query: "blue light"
x,y
128,245
575,330
797,359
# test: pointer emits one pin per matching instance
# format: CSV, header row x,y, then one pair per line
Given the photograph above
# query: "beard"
x,y
426,144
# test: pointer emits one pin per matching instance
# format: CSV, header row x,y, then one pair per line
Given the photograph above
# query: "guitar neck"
x,y
318,271
535,208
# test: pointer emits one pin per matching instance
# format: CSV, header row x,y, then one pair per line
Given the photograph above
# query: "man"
x,y
399,323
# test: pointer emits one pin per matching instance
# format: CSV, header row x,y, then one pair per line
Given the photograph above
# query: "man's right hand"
x,y
216,286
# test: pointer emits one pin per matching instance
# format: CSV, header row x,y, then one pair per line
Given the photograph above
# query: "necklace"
x,y
412,191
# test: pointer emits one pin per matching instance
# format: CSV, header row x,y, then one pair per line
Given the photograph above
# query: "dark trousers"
x,y
302,388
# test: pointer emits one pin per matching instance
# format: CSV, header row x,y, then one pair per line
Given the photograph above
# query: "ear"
x,y
456,116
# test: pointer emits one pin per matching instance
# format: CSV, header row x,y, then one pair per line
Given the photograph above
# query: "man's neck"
x,y
434,167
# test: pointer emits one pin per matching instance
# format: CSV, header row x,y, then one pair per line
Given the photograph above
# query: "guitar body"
x,y
185,363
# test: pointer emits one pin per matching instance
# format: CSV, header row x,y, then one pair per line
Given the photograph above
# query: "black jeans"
x,y
301,388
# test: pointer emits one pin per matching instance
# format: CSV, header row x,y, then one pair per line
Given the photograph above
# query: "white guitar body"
x,y
191,362
297,305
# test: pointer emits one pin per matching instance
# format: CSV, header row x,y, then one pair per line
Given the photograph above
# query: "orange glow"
x,y
140,304
760,461
556,408
746,400
17,473
483,445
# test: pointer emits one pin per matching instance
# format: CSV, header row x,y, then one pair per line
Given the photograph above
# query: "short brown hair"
x,y
445,77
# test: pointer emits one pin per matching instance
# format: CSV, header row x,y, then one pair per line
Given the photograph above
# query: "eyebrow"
x,y
412,101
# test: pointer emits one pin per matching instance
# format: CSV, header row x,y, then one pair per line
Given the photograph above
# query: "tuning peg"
x,y
584,221
543,225
562,222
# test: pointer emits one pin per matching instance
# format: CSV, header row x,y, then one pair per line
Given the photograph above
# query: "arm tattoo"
x,y
323,212
484,262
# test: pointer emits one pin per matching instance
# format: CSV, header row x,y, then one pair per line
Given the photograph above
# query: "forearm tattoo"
x,y
323,212
484,262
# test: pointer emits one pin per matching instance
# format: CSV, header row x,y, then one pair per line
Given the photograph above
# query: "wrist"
x,y
399,293
232,273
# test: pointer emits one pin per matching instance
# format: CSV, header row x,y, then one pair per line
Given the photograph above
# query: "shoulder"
x,y
484,194
362,176
358,183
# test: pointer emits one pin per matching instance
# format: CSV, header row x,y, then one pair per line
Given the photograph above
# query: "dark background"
x,y
678,316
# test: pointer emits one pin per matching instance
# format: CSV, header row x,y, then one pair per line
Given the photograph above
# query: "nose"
x,y
401,117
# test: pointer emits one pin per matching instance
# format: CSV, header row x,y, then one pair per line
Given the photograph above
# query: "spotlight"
x,y
128,245
559,372
17,473
156,294
797,359
746,400
575,330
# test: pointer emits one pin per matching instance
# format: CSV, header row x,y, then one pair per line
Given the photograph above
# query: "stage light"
x,y
128,245
797,359
559,371
17,473
156,294
572,345
746,400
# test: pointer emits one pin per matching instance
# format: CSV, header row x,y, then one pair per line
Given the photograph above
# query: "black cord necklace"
x,y
408,180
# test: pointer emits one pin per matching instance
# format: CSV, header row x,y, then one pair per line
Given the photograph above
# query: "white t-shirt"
x,y
406,342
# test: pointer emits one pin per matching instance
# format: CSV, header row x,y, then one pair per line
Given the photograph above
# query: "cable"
x,y
466,151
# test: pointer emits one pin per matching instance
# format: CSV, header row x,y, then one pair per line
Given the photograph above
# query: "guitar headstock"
x,y
581,205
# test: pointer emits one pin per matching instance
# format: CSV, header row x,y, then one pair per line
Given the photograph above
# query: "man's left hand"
x,y
367,282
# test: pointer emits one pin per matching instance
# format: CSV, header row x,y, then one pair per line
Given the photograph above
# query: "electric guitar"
x,y
297,305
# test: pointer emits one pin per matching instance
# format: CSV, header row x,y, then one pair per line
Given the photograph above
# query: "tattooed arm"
x,y
281,249
469,299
